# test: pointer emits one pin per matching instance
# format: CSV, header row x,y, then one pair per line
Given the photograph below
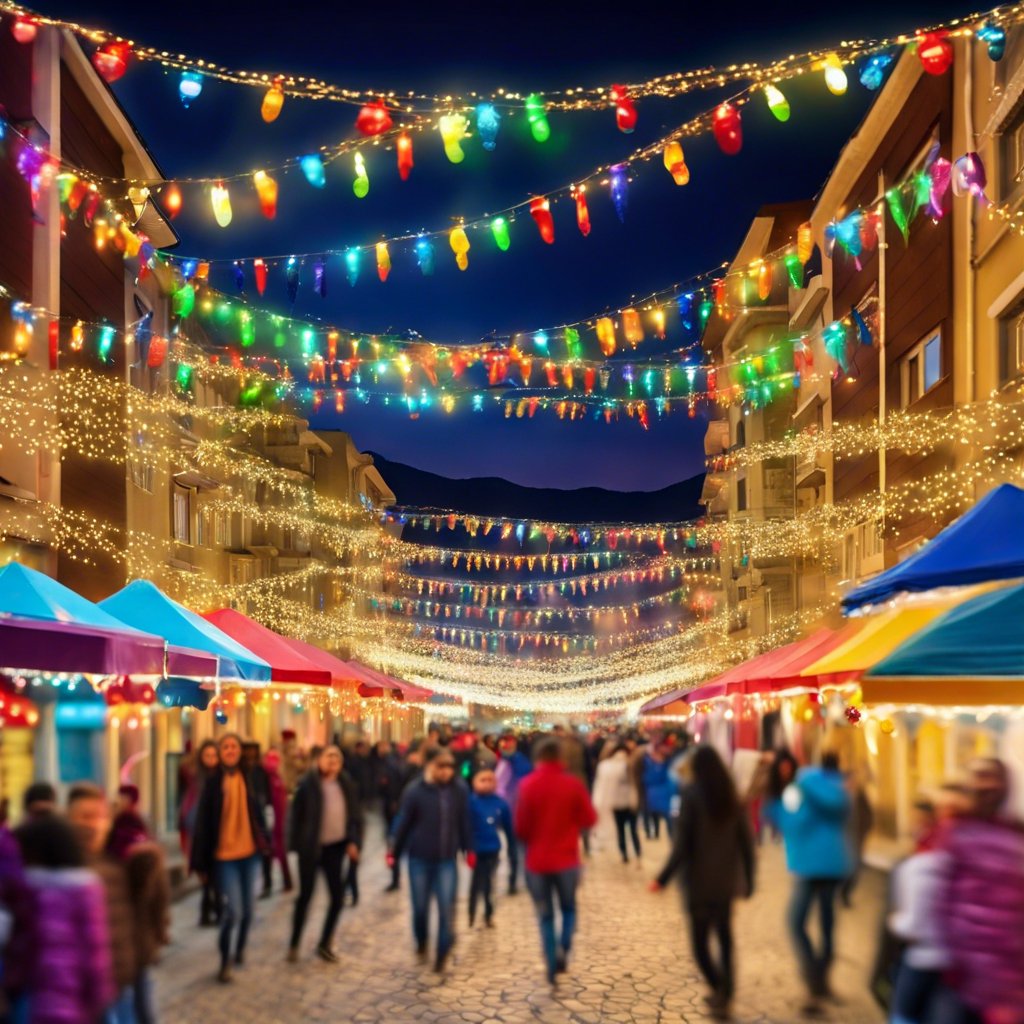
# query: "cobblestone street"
x,y
631,962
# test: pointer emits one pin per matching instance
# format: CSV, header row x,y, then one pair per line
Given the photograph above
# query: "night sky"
x,y
670,233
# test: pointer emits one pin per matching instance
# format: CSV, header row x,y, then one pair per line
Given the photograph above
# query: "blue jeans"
x,y
236,882
122,1010
915,995
814,964
433,879
544,889
145,997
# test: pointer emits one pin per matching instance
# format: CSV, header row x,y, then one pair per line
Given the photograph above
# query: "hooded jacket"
x,y
812,817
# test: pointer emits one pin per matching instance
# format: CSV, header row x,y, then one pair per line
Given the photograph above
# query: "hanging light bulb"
x,y
383,261
625,109
273,101
374,119
403,148
111,61
221,200
259,269
425,255
189,87
606,335
675,163
488,121
313,168
872,74
537,116
619,185
579,193
777,103
352,259
105,342
804,242
24,29
632,328
935,52
499,229
361,186
453,128
835,74
994,38
460,246
728,128
540,211
172,200
658,319
266,190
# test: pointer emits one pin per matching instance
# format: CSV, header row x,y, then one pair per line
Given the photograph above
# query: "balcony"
x,y
810,474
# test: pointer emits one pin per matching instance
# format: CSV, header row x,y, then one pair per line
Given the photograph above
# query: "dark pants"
x,y
396,868
236,882
652,824
482,885
209,906
814,964
268,866
545,889
705,918
352,880
433,879
332,858
948,1008
624,818
915,995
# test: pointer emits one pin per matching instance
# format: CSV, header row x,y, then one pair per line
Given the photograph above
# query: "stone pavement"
x,y
631,962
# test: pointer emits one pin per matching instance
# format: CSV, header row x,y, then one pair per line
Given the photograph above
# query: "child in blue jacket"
x,y
490,816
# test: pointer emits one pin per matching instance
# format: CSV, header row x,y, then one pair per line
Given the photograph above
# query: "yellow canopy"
x,y
880,635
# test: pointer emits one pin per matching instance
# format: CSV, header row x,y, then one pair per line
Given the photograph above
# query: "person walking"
x,y
490,816
326,827
433,827
658,790
69,978
513,766
554,809
207,759
981,905
391,779
615,790
278,806
713,859
229,842
811,813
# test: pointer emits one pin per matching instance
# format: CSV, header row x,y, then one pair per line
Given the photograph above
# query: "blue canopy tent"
x,y
143,605
972,654
984,544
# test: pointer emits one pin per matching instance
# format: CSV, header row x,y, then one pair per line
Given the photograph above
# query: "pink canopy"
x,y
343,673
376,684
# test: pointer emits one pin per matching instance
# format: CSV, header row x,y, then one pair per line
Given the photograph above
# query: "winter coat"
x,y
915,886
554,808
390,781
279,805
713,859
433,822
307,813
812,817
17,906
658,786
126,830
71,980
982,913
206,837
614,786
490,816
149,890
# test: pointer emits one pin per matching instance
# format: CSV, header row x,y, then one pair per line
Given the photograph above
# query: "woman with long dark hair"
x,y
713,858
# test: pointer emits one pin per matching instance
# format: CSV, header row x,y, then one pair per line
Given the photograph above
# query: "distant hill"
x,y
492,496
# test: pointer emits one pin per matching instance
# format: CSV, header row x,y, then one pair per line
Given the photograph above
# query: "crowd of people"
x,y
84,894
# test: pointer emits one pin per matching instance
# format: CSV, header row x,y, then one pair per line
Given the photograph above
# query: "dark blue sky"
x,y
670,233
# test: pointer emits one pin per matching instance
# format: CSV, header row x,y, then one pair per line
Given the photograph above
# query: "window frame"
x,y
918,355
181,498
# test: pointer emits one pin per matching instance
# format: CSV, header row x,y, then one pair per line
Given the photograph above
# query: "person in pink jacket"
x,y
981,906
279,804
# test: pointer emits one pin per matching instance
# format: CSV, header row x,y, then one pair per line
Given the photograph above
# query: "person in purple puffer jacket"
x,y
71,979
981,906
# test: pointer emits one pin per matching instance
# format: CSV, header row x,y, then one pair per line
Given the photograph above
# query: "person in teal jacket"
x,y
811,813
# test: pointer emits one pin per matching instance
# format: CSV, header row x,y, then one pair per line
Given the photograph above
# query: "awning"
x,y
342,673
286,664
985,543
90,639
880,635
972,654
378,684
142,604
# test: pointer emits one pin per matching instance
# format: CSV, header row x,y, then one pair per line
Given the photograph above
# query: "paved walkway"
x,y
631,962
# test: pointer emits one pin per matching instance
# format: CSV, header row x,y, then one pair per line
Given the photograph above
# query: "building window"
x,y
204,533
141,475
222,530
182,515
1011,345
921,368
1012,153
741,494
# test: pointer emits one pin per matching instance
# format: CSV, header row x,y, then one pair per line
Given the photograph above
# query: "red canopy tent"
x,y
376,684
343,673
287,665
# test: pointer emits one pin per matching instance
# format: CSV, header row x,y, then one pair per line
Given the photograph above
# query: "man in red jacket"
x,y
554,808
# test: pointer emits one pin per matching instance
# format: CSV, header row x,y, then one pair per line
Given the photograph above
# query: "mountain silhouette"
x,y
493,496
